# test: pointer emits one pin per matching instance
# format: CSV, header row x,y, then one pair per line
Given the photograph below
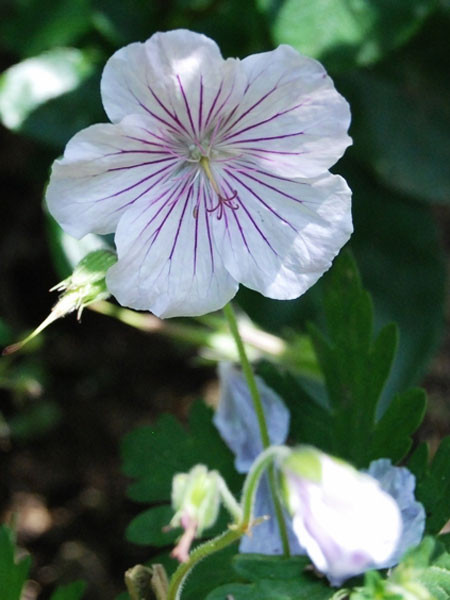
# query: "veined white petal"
x,y
168,261
291,120
105,170
285,233
179,78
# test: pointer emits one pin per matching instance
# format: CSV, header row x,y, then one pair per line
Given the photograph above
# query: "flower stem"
x,y
244,521
259,410
201,552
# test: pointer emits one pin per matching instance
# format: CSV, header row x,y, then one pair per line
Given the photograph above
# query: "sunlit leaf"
x,y
36,80
345,33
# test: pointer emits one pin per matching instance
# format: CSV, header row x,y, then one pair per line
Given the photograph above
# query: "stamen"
x,y
222,200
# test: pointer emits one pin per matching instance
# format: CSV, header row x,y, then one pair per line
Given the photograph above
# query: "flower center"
x,y
222,201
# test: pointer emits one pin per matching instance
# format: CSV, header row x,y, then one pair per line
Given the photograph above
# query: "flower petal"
x,y
168,262
178,78
292,121
400,483
285,233
105,169
264,538
236,419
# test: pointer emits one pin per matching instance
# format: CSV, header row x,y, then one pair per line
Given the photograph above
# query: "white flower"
x,y
213,173
344,520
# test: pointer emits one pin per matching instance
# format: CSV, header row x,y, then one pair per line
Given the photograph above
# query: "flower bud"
x,y
85,286
196,500
344,520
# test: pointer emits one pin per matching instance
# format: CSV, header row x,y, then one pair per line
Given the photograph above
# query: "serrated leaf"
x,y
13,572
390,439
345,33
355,368
433,489
153,455
72,591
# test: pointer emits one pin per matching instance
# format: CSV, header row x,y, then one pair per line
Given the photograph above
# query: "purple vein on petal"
x,y
263,202
173,115
171,201
272,118
144,164
130,187
200,107
188,108
208,230
224,103
265,184
246,112
252,220
154,115
146,191
183,212
214,103
242,167
267,139
196,219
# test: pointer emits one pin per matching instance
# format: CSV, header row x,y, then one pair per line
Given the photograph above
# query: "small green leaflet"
x,y
13,572
424,574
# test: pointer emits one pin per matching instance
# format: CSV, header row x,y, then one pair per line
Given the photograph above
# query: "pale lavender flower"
x,y
213,173
237,423
400,483
344,520
236,420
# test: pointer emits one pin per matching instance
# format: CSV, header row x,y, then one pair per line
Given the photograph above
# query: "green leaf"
x,y
390,440
311,423
154,454
433,489
13,573
356,366
38,25
345,33
34,81
398,251
272,578
416,158
72,591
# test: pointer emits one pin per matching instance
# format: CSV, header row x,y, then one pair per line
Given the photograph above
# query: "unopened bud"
x,y
86,285
196,500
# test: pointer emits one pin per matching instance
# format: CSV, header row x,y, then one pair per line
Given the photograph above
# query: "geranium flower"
x,y
213,173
